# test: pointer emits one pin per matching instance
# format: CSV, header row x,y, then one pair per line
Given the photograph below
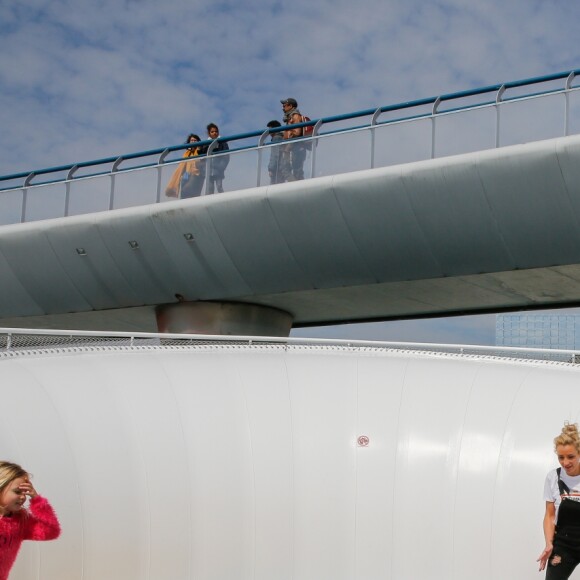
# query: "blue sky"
x,y
82,80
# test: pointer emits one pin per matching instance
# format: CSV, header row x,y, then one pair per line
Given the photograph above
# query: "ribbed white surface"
x,y
223,463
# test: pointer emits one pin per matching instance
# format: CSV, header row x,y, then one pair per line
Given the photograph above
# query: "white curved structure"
x,y
221,462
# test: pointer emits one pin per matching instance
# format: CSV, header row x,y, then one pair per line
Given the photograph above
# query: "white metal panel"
x,y
431,419
543,198
109,474
207,261
33,434
314,226
255,222
205,268
97,276
264,381
34,262
487,415
323,403
380,391
566,151
151,411
148,267
14,295
384,226
219,457
460,207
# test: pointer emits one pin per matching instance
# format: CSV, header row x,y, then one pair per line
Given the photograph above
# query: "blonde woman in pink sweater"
x,y
39,522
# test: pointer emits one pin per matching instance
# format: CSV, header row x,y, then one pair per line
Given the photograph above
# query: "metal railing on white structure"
x,y
31,342
484,118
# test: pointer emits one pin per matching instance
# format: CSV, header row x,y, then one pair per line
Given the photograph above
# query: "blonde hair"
x,y
9,472
568,436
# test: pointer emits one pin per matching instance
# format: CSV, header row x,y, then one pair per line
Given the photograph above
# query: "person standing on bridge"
x,y
562,517
275,163
294,153
217,165
191,187
187,179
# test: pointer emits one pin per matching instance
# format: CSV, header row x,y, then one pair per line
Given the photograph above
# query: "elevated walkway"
x,y
435,207
477,232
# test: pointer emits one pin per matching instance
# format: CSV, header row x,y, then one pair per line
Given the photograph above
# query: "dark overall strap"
x,y
564,489
568,524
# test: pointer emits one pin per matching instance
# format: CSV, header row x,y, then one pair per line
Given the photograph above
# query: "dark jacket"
x,y
276,154
219,163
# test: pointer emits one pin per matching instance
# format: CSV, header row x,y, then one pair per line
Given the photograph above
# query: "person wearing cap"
x,y
295,153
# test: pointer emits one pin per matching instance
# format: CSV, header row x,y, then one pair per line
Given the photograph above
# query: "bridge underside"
x,y
503,291
485,231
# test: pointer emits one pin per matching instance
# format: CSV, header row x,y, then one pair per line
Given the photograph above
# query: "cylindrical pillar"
x,y
223,318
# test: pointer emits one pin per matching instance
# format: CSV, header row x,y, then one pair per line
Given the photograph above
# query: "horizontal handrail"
x,y
116,160
36,342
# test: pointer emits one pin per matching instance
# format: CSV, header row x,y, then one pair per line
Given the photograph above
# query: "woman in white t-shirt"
x,y
562,517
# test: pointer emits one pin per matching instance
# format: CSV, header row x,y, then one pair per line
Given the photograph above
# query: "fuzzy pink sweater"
x,y
40,523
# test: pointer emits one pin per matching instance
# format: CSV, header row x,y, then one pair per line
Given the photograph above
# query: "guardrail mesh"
x,y
41,342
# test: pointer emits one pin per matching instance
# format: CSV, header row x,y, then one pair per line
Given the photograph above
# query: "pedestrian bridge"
x,y
461,203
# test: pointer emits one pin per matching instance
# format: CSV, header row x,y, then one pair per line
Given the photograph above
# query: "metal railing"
x,y
21,342
473,120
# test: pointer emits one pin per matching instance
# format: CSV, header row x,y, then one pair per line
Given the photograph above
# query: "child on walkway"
x,y
217,165
16,522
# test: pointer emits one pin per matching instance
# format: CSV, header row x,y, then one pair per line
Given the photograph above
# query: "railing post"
x,y
314,141
23,208
114,169
260,152
498,97
29,179
112,192
69,177
160,162
208,163
374,121
567,103
66,198
433,114
158,194
162,157
25,197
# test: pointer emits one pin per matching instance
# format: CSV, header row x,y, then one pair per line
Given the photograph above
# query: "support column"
x,y
222,318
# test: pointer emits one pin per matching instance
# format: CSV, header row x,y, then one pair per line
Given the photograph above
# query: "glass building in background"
x,y
538,330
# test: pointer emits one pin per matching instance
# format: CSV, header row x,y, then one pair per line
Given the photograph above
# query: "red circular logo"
x,y
363,441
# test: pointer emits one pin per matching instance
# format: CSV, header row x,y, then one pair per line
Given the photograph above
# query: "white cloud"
x,y
81,80
115,77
